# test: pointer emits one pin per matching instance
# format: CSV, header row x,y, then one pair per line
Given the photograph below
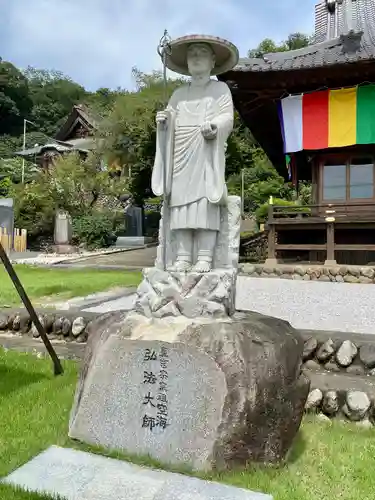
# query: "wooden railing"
x,y
297,213
328,214
18,243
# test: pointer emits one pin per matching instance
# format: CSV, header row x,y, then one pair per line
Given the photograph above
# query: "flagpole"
x,y
164,49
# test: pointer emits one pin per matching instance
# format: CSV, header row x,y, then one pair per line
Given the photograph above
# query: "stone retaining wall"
x,y
57,326
354,406
339,356
337,274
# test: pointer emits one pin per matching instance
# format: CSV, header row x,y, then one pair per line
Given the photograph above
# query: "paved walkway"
x,y
131,259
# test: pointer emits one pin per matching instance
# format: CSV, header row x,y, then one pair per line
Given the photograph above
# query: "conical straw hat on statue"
x,y
226,54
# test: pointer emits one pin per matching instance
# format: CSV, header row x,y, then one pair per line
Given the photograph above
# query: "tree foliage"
x,y
293,42
73,185
129,132
15,100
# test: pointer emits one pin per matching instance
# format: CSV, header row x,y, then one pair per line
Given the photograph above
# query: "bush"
x,y
94,230
261,212
5,187
33,211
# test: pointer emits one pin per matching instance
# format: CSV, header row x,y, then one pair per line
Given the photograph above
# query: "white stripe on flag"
x,y
292,117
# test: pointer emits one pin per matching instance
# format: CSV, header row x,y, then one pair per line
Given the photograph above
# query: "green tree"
x,y
15,102
129,132
293,42
297,41
53,94
261,181
12,169
73,185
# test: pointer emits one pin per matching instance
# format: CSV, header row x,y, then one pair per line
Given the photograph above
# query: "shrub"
x,y
5,187
261,212
33,211
94,230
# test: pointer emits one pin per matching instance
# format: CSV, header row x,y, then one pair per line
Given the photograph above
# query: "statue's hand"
x,y
161,117
209,130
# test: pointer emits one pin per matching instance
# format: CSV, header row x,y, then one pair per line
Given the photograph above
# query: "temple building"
x,y
312,110
75,135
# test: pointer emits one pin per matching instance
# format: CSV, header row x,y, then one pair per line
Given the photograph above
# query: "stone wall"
x,y
339,356
337,274
342,374
59,327
355,406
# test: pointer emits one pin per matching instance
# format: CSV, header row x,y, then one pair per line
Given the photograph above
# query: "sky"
x,y
97,42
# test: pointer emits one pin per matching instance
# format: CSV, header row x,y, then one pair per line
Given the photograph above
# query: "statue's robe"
x,y
195,166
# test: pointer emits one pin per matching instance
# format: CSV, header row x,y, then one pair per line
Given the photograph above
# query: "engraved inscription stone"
x,y
162,399
200,393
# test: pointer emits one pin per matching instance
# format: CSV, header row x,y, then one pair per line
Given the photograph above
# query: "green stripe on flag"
x,y
366,114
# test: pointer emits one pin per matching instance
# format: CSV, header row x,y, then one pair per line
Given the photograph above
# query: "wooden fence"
x,y
19,240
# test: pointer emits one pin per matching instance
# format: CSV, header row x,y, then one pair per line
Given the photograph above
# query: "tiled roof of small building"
x,y
331,52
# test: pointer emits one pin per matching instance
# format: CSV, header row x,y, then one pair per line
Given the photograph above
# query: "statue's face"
x,y
200,59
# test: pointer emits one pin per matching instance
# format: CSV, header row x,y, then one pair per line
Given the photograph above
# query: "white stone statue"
x,y
195,125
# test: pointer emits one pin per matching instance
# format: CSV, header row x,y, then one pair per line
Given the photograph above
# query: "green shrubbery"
x,y
261,212
74,186
94,230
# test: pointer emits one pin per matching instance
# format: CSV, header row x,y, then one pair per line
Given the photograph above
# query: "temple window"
x,y
348,181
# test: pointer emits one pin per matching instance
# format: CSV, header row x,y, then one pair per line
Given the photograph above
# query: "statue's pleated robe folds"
x,y
195,166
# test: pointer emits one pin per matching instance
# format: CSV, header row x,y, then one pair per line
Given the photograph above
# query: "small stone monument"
x,y
183,377
63,233
133,225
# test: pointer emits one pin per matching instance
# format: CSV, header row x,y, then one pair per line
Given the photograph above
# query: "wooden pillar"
x,y
271,243
271,250
330,259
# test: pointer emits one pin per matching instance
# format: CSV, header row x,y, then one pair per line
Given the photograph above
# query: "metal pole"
x,y
23,150
243,192
58,369
164,49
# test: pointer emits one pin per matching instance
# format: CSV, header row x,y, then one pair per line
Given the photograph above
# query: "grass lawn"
x,y
326,462
60,284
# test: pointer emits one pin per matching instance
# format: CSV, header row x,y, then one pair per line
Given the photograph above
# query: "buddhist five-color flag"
x,y
328,119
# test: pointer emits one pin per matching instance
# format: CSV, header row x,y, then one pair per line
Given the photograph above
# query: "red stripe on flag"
x,y
315,120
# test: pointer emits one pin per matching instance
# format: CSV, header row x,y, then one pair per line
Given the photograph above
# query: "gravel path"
x,y
311,305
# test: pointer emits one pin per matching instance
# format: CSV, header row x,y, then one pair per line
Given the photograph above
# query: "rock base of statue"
x,y
194,393
193,295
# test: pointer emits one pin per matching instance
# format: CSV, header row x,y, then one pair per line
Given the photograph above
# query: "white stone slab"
x,y
77,475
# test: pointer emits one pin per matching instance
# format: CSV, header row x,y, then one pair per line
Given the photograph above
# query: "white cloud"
x,y
98,42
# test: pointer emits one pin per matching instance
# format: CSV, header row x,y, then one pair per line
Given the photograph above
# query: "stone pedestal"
x,y
64,249
162,294
197,393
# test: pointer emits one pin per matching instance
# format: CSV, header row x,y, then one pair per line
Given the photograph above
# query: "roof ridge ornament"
x,y
351,42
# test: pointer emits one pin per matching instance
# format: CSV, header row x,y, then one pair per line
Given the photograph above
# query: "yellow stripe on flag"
x,y
342,117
